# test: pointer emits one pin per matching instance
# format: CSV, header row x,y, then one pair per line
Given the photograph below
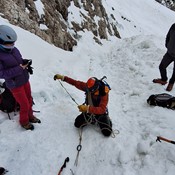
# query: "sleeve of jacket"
x,y
168,35
78,84
10,72
167,39
101,109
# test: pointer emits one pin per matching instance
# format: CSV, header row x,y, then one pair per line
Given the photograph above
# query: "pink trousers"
x,y
23,96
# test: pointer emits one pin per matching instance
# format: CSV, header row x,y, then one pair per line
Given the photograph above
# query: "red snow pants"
x,y
23,96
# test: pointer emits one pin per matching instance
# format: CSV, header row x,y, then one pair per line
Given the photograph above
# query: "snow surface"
x,y
130,64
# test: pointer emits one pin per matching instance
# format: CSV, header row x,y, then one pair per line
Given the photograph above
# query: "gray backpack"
x,y
163,100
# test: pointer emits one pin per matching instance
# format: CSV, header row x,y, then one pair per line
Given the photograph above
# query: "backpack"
x,y
8,103
105,86
163,100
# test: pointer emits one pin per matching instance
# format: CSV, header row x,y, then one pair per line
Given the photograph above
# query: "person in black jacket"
x,y
168,58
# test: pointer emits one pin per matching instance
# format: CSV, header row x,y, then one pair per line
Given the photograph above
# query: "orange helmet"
x,y
92,84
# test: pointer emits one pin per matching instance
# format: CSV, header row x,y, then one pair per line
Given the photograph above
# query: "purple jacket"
x,y
10,69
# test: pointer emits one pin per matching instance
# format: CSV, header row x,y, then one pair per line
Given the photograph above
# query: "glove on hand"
x,y
58,76
27,65
83,108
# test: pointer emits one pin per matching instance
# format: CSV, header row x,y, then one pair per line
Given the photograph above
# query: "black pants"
x,y
103,121
167,59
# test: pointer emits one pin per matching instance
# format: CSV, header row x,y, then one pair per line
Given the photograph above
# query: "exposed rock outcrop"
x,y
56,22
168,3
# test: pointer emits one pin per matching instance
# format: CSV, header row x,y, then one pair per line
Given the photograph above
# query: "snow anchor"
x,y
159,138
63,166
68,93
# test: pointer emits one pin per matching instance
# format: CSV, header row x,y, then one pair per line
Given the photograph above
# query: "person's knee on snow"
x,y
106,132
80,121
105,125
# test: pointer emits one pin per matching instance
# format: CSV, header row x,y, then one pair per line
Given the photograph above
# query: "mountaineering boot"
x,y
159,81
28,126
169,87
35,120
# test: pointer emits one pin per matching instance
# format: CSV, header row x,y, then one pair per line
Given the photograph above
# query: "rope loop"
x,y
79,147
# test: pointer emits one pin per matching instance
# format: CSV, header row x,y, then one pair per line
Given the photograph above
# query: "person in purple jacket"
x,y
14,71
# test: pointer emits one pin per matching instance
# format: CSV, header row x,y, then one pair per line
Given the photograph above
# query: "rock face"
x,y
55,21
168,3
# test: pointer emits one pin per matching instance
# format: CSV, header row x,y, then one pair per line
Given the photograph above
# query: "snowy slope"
x,y
140,17
130,65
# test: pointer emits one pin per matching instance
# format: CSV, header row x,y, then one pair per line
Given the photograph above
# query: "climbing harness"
x,y
159,138
63,166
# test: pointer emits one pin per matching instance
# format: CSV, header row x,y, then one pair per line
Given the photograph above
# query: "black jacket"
x,y
170,41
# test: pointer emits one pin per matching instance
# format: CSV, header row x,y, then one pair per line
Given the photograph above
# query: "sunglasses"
x,y
94,88
6,42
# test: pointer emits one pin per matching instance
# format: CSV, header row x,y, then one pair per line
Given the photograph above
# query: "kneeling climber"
x,y
94,110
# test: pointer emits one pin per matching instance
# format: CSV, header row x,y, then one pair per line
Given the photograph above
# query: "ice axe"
x,y
159,138
63,166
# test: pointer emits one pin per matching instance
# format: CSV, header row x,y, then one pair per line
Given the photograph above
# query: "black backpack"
x,y
8,103
163,100
104,86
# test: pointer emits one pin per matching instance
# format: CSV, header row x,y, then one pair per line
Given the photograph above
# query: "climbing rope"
x,y
79,147
68,93
91,118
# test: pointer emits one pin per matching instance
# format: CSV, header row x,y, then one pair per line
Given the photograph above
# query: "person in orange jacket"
x,y
94,110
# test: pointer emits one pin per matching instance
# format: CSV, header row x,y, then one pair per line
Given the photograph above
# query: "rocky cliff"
x,y
168,3
55,21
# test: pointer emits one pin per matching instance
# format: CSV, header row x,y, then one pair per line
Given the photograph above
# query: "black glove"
x,y
27,61
29,67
